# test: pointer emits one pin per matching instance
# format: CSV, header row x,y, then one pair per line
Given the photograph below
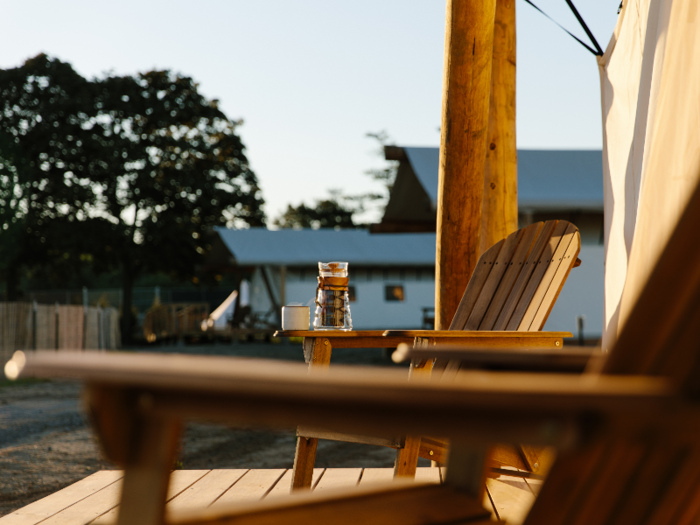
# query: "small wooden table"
x,y
318,344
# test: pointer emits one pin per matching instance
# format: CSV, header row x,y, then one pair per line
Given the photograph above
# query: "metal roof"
x,y
256,246
547,179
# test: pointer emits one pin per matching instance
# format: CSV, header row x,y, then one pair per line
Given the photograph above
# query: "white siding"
x,y
582,295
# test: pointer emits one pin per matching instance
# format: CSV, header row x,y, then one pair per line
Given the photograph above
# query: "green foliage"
x,y
124,172
327,213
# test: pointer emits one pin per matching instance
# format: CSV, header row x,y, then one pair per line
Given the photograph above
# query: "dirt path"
x,y
47,444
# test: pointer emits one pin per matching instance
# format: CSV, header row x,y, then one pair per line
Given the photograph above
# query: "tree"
x,y
327,213
340,209
140,166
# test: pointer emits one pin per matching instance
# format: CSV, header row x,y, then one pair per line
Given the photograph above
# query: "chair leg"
x,y
466,469
147,476
407,458
317,353
304,460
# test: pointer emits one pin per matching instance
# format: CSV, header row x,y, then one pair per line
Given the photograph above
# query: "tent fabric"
x,y
650,80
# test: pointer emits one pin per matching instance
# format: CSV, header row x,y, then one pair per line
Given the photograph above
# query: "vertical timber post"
x,y
500,204
469,28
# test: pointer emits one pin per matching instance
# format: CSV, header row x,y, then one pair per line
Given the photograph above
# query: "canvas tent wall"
x,y
650,86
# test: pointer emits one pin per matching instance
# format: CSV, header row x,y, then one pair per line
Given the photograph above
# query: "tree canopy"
x,y
128,172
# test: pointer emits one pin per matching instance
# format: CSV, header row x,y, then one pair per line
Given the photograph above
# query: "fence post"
x,y
85,316
58,324
35,307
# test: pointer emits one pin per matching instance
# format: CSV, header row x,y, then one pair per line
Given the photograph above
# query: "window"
x,y
352,294
393,293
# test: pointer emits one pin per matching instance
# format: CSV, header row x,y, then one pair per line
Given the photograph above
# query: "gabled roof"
x,y
256,246
547,179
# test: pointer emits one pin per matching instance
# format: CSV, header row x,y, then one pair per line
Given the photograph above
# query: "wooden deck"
x,y
94,499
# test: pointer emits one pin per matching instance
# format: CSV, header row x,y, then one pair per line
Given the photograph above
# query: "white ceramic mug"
x,y
295,318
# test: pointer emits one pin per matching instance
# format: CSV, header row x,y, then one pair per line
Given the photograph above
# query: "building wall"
x,y
371,310
582,295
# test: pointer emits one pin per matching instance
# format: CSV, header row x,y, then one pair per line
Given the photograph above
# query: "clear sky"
x,y
311,77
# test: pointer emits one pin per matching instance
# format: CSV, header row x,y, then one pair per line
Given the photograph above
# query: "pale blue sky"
x,y
311,77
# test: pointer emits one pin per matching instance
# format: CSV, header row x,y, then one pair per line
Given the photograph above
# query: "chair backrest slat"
x,y
525,274
558,279
541,277
516,281
515,266
492,282
475,285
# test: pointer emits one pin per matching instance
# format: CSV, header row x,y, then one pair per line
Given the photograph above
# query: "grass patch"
x,y
6,383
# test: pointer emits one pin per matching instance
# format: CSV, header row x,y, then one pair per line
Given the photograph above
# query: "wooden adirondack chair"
x,y
628,436
512,289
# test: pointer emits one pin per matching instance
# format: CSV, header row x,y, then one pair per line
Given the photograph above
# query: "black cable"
x,y
585,27
568,32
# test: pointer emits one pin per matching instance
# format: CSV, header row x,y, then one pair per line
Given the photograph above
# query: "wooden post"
x,y
465,108
500,205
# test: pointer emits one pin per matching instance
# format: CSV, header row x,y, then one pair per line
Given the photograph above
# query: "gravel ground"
x,y
46,442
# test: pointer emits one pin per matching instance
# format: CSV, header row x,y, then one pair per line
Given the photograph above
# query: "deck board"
x,y
339,477
205,490
254,485
511,497
64,498
94,499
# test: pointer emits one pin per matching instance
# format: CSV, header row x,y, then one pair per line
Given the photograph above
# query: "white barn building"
x,y
392,276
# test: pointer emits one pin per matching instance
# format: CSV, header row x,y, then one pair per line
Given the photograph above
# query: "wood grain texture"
x,y
391,504
475,285
478,336
537,280
64,498
500,265
319,358
338,477
205,490
512,498
87,509
528,358
527,239
376,475
252,486
500,200
389,442
558,280
464,126
523,279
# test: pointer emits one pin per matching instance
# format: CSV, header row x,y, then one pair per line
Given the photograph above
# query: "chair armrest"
x,y
350,339
473,334
572,360
546,409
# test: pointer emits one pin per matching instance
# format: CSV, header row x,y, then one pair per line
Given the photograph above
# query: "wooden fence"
x,y
174,320
27,326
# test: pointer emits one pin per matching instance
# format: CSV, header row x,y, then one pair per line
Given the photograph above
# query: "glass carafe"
x,y
332,299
